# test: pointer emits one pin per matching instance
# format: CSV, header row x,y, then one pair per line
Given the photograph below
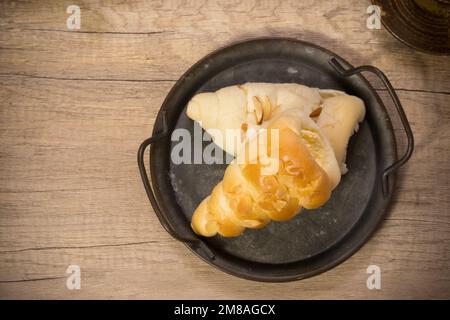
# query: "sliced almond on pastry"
x,y
258,109
315,113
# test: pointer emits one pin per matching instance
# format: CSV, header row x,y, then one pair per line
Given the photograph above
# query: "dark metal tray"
x,y
315,240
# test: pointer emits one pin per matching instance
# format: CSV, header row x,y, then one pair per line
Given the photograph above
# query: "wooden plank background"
x,y
74,106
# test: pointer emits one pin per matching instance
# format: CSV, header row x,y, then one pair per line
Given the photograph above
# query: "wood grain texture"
x,y
74,107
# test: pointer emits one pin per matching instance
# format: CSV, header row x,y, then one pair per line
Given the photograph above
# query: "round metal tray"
x,y
315,240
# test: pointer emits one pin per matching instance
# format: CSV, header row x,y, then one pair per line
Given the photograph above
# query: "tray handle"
x,y
410,147
148,187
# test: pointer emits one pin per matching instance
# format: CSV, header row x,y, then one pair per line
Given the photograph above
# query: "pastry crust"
x,y
247,197
338,121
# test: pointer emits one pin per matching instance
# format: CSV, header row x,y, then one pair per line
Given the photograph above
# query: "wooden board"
x,y
74,107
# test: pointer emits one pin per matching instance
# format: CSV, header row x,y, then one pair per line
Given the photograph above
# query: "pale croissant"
x,y
248,198
338,120
252,105
247,106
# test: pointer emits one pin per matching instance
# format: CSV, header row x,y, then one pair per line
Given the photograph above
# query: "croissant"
x,y
247,197
313,126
